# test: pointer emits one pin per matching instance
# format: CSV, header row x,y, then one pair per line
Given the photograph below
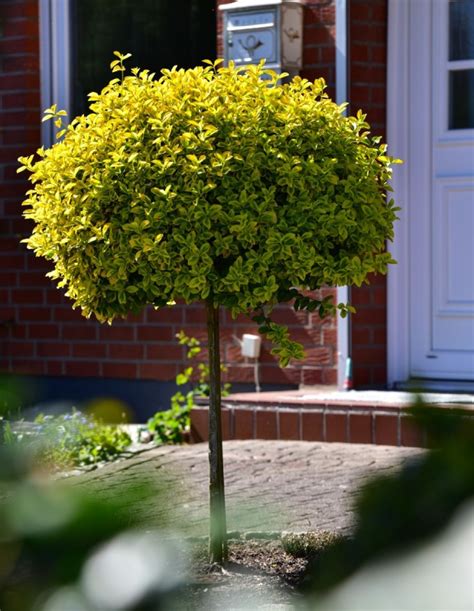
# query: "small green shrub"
x,y
172,425
309,544
69,440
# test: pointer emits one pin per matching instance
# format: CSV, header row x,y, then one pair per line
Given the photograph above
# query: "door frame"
x,y
406,69
398,281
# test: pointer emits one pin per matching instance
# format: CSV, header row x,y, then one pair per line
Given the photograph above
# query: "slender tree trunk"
x,y
218,527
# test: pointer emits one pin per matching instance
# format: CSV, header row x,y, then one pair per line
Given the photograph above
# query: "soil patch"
x,y
260,574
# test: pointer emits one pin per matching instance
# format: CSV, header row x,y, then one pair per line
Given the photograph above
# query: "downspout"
x,y
344,348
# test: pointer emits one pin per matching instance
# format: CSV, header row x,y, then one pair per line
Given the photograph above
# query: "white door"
x,y
441,189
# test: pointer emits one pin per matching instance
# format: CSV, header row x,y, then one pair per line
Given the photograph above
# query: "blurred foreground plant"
x,y
68,440
63,546
397,513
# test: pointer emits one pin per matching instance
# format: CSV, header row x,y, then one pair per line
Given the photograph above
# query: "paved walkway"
x,y
270,485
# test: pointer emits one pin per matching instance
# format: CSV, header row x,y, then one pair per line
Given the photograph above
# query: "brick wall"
x,y
367,78
39,332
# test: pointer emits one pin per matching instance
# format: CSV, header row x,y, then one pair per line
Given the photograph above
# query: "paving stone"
x,y
270,485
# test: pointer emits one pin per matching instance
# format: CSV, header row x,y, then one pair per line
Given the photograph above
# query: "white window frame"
x,y
55,60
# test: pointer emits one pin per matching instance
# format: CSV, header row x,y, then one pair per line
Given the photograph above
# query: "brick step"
x,y
294,417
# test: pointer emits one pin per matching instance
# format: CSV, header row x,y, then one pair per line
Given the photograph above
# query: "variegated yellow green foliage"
x,y
210,182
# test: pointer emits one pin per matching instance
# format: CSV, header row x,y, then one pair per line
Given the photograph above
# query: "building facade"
x,y
410,67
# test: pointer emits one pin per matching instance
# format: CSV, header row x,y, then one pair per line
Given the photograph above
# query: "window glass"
x,y
461,29
158,33
461,99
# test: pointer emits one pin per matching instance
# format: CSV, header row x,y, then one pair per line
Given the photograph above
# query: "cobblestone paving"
x,y
270,485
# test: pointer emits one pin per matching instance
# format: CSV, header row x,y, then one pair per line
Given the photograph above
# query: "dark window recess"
x,y
461,99
461,29
158,33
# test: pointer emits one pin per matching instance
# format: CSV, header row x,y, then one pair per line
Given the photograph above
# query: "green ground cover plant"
x,y
68,440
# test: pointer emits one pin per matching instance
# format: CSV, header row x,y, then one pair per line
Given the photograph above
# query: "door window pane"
x,y
461,99
461,29
158,33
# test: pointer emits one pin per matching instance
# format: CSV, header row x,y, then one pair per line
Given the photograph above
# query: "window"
x,y
461,65
78,38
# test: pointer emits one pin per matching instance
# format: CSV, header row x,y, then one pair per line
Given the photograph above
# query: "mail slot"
x,y
256,30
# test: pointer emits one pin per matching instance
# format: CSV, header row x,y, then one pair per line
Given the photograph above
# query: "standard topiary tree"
x,y
210,185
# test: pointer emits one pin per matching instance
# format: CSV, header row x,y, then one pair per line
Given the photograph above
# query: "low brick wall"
x,y
381,425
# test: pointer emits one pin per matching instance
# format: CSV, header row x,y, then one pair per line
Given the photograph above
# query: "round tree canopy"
x,y
210,183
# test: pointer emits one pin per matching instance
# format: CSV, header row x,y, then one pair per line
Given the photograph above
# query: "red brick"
x,y
380,336
266,424
21,45
81,368
53,349
361,336
165,315
329,376
379,55
54,368
361,11
310,55
386,430
360,428
19,136
119,370
319,356
83,332
371,32
311,425
20,349
368,355
319,35
289,424
361,375
285,315
23,117
21,100
329,336
35,279
194,315
43,331
154,333
31,367
241,374
226,415
33,296
370,316
233,354
14,9
116,332
34,314
164,352
199,424
410,434
336,427
67,314
359,53
159,371
327,54
89,350
379,375
126,351
311,376
8,279
380,295
16,331
244,424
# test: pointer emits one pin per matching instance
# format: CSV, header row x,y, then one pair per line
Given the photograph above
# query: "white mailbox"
x,y
264,29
